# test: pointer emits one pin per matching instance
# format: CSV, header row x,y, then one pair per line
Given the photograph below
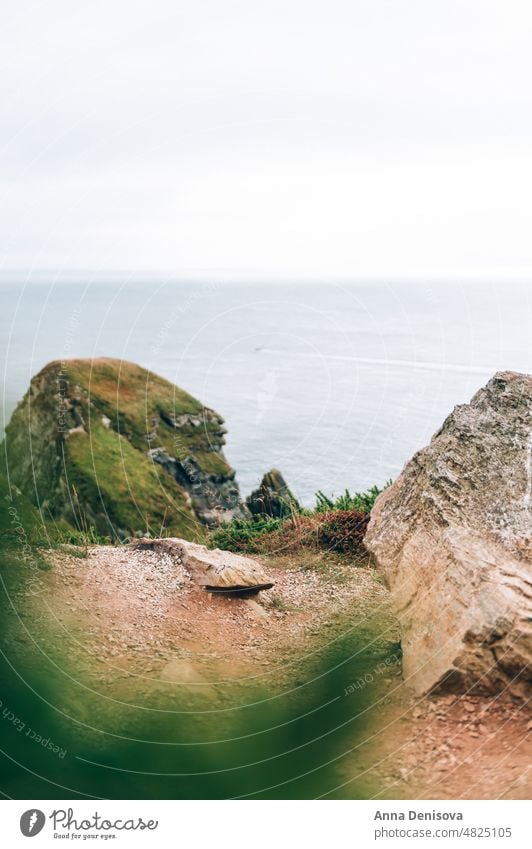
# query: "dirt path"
x,y
138,613
452,747
139,628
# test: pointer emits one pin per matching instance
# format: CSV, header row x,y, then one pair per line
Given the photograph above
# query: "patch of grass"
x,y
78,551
362,501
135,400
122,385
330,563
20,522
211,463
69,537
133,492
23,526
334,525
243,534
343,530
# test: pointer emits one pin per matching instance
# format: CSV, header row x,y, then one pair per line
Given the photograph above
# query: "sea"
x,y
335,384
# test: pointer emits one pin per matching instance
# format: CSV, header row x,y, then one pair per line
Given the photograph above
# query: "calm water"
x,y
335,385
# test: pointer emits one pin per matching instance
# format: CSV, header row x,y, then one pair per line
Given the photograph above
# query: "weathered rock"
x,y
215,570
273,497
214,497
452,537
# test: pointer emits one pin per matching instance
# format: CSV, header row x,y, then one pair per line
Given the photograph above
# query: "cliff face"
x,y
452,537
105,443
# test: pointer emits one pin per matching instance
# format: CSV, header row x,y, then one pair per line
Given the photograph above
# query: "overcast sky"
x,y
339,138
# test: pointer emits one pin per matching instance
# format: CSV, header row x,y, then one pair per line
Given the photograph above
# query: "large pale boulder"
x,y
213,569
452,537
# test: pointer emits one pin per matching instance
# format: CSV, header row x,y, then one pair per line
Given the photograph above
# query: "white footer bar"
x,y
268,824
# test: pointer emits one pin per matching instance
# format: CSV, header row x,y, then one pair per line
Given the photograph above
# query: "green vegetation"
x,y
362,501
241,534
134,493
211,463
78,462
135,400
337,525
19,519
258,739
78,447
125,389
27,535
66,537
343,530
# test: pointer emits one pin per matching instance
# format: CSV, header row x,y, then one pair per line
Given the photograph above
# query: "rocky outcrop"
x,y
214,570
105,443
272,498
453,539
215,497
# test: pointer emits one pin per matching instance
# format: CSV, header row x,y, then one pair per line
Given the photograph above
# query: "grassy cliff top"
x,y
137,401
120,384
79,445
